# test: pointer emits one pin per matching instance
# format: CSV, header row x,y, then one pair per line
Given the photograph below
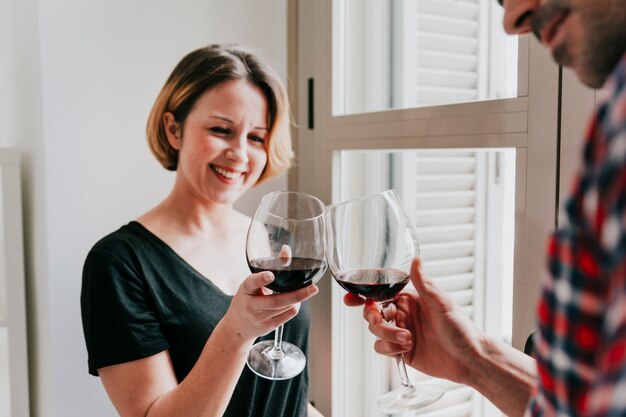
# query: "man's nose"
x,y
517,14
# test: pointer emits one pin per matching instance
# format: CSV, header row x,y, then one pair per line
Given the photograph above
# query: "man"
x,y
580,366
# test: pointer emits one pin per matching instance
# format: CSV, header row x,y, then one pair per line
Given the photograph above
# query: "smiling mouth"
x,y
231,175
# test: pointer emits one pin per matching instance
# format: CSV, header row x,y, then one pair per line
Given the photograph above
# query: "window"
x,y
370,133
392,54
13,352
445,192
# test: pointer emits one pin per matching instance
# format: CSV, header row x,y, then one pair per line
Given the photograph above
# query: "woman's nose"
x,y
237,151
517,15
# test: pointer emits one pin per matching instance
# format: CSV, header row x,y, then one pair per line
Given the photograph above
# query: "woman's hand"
x,y
255,311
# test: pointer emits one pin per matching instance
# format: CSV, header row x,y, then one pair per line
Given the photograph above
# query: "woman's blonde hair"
x,y
206,68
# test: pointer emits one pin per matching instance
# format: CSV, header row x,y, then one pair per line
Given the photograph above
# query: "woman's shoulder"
x,y
128,249
128,238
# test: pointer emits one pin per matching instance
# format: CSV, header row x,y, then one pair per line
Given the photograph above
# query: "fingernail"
x,y
403,337
313,289
267,278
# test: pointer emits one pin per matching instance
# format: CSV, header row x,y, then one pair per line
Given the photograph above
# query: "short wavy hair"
x,y
205,68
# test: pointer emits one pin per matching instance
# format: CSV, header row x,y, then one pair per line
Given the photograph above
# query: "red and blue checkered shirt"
x,y
581,338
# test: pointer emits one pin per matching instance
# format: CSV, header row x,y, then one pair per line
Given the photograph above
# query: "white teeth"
x,y
227,174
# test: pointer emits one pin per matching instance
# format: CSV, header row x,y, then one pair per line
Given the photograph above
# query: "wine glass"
x,y
287,237
370,244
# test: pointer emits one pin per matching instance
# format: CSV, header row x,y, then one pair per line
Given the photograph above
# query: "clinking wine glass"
x,y
370,245
287,237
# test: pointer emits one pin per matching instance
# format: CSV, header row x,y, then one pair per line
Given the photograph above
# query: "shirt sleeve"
x,y
120,322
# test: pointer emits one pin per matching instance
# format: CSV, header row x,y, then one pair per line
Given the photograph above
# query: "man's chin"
x,y
591,80
585,73
562,56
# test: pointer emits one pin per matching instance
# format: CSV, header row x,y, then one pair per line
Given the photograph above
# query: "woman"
x,y
168,313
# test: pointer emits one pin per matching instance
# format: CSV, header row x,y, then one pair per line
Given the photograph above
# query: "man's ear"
x,y
172,130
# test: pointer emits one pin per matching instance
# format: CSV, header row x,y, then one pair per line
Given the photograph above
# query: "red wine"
x,y
298,274
378,284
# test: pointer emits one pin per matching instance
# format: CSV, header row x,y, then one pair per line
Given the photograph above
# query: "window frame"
x,y
528,123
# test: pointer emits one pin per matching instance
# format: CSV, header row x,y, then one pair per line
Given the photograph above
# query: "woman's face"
x,y
222,150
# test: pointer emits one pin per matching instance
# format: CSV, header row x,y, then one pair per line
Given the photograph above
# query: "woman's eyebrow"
x,y
223,118
226,119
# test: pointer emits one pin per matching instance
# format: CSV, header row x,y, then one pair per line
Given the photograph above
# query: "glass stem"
x,y
404,377
277,350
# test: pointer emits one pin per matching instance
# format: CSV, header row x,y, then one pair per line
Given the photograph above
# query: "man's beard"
x,y
604,42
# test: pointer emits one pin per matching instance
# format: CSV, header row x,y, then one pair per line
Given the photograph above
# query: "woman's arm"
x,y
148,387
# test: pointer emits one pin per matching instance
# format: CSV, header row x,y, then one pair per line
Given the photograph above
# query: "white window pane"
x,y
391,54
461,204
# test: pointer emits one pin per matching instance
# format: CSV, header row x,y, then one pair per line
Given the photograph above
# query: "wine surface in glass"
x,y
378,284
288,275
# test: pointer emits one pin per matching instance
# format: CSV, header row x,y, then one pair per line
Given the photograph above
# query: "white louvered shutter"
x,y
443,58
444,192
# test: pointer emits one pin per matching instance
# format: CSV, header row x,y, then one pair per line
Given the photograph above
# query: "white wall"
x,y
77,80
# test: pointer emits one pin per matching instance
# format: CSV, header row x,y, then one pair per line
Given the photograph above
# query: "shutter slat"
x,y
444,199
445,217
447,61
446,78
449,266
445,183
447,251
455,282
448,43
463,298
440,234
449,26
439,8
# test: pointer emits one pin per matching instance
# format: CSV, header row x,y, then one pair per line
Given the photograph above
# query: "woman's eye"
x,y
220,130
255,138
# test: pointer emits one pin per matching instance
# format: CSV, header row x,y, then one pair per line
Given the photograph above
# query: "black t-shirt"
x,y
140,298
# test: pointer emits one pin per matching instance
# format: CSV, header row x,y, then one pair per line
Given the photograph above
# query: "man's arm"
x,y
439,339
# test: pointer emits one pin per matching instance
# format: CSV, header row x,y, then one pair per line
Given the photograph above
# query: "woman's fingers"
x,y
263,299
286,299
255,283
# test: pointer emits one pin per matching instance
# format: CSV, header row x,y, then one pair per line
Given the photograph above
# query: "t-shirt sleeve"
x,y
120,322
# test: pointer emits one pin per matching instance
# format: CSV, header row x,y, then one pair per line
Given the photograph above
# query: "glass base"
x,y
409,398
265,362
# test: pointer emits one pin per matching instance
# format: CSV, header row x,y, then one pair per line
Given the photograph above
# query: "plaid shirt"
x,y
581,338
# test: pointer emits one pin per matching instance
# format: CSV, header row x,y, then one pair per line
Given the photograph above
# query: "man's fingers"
x,y
390,347
353,300
420,281
391,333
371,313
